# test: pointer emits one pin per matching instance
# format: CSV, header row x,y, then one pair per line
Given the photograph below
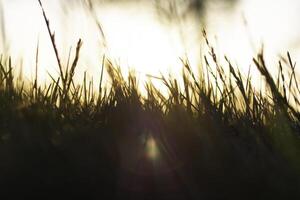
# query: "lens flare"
x,y
152,149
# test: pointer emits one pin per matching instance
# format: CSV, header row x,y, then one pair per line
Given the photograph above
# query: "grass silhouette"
x,y
216,137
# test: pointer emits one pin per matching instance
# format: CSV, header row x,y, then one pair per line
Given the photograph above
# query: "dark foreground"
x,y
45,155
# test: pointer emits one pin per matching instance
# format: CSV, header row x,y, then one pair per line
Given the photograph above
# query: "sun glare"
x,y
141,42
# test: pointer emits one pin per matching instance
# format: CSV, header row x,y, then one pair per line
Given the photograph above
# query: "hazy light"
x,y
136,37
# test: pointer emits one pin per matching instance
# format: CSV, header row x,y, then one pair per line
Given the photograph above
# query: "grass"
x,y
215,135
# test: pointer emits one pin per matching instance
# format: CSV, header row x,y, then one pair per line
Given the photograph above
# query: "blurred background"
x,y
148,36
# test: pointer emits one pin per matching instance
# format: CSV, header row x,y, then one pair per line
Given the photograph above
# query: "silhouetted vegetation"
x,y
215,135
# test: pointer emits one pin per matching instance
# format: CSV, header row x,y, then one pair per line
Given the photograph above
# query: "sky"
x,y
138,38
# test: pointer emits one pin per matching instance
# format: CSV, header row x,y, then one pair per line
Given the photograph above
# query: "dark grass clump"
x,y
212,137
211,142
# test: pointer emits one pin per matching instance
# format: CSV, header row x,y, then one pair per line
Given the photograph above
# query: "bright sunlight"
x,y
137,39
